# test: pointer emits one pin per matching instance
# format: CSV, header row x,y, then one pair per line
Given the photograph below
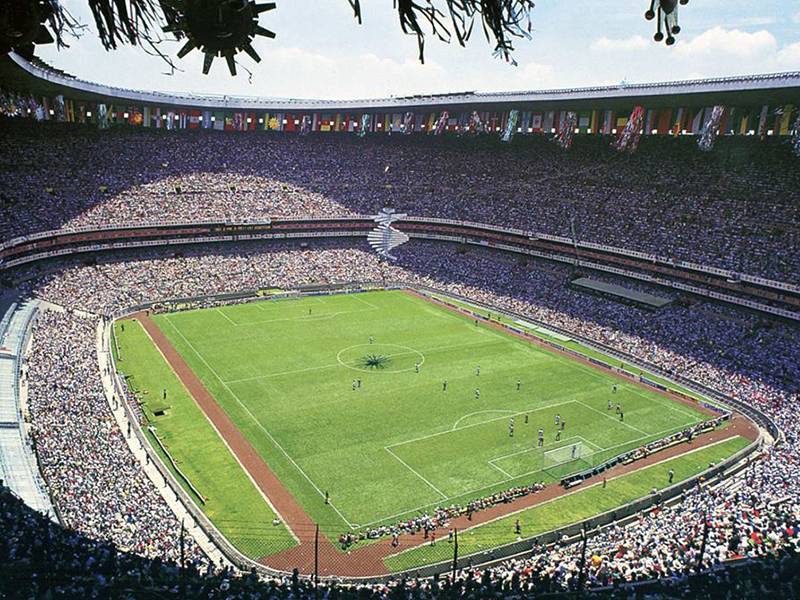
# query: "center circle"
x,y
380,358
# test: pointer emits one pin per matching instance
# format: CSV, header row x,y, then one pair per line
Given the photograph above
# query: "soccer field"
x,y
327,391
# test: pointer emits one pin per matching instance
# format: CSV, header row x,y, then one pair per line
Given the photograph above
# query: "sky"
x,y
322,52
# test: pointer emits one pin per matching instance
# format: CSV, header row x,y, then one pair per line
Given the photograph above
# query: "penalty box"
x,y
476,455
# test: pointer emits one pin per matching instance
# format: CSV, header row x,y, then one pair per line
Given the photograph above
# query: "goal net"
x,y
572,456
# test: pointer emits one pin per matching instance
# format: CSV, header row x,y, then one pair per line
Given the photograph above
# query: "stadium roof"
x,y
774,88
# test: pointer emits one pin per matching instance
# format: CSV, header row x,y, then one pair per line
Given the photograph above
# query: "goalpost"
x,y
570,454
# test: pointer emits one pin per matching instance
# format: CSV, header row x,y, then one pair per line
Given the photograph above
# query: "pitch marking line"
x,y
606,415
415,472
311,317
257,422
438,433
568,494
481,412
506,473
227,318
367,302
339,364
510,478
222,438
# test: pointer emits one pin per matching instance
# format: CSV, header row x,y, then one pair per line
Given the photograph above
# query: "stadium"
x,y
505,344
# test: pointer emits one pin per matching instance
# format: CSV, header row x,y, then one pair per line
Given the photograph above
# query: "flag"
x,y
697,122
762,121
219,121
677,125
786,120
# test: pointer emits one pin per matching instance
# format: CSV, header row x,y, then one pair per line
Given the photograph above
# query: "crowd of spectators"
x,y
751,359
736,207
441,516
99,488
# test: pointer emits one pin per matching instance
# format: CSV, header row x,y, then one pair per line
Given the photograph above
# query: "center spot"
x,y
380,358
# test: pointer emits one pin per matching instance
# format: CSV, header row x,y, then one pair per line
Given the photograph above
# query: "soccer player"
x,y
610,405
671,475
478,371
563,424
371,339
621,416
354,385
477,394
444,385
619,408
541,437
558,418
614,389
359,382
511,427
574,451
526,418
416,367
558,435
519,384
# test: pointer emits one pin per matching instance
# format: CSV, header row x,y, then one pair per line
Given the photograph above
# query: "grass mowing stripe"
x,y
577,506
232,502
319,430
255,420
572,345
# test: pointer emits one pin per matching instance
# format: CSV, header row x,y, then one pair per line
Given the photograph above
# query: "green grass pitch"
x,y
284,371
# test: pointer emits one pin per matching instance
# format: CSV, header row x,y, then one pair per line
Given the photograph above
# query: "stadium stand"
x,y
18,468
111,532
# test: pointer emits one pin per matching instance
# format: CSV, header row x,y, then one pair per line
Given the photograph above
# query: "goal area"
x,y
572,456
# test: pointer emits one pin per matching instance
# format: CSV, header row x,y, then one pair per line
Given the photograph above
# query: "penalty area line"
x,y
410,468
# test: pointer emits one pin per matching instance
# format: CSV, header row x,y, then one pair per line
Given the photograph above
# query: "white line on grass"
x,y
438,433
339,364
311,317
600,412
506,473
367,302
415,472
256,421
557,498
227,318
481,412
510,478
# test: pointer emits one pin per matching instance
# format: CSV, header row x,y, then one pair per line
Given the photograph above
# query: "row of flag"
x,y
753,120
